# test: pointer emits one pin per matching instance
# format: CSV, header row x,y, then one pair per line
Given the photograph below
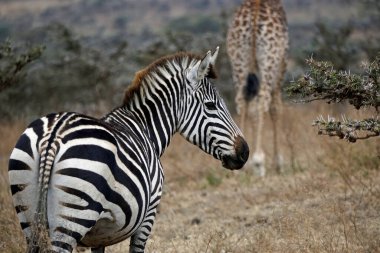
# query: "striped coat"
x,y
95,182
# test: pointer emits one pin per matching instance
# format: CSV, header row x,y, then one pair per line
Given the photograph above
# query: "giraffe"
x,y
257,45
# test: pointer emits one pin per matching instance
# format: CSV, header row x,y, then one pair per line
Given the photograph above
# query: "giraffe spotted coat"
x,y
257,43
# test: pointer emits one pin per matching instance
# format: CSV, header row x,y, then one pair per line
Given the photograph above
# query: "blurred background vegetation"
x,y
81,55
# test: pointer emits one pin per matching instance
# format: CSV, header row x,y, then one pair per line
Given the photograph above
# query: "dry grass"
x,y
11,237
327,201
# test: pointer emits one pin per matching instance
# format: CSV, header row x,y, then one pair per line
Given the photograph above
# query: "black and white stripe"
x,y
95,182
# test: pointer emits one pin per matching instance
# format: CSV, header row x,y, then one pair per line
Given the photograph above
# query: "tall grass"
x,y
328,200
11,238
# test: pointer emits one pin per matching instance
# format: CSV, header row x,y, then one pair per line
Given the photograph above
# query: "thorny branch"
x,y
323,82
348,129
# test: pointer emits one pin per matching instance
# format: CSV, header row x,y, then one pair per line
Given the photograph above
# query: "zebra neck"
x,y
157,126
156,97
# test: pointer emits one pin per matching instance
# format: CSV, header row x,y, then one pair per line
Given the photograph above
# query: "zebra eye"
x,y
210,105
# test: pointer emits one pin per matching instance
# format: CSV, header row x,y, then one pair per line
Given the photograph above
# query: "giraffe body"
x,y
257,44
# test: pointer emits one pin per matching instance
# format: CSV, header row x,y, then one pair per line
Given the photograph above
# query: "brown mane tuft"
x,y
140,75
135,85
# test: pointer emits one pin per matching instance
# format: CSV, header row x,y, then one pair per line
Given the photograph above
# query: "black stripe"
x,y
15,188
21,208
209,146
220,126
218,133
155,168
90,152
17,165
201,132
102,186
177,91
24,225
77,236
194,115
81,120
141,247
73,206
101,134
37,127
146,111
99,154
166,92
156,112
62,245
146,234
142,157
83,222
24,144
222,142
92,204
123,178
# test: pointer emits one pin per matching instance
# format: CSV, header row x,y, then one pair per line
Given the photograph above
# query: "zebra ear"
x,y
214,56
204,66
200,69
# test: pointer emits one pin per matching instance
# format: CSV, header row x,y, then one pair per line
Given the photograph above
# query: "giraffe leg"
x,y
258,158
274,111
243,116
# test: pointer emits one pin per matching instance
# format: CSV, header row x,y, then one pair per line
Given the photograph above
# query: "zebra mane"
x,y
180,59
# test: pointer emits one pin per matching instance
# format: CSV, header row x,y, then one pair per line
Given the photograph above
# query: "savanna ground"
x,y
328,200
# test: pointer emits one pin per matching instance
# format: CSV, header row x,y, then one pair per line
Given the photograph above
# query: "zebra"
x,y
86,182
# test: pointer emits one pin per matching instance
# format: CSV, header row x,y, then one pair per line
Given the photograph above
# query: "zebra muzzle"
x,y
237,160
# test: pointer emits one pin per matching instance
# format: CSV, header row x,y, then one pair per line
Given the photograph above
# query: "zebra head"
x,y
205,120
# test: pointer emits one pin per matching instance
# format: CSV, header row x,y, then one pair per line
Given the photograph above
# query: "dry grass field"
x,y
328,200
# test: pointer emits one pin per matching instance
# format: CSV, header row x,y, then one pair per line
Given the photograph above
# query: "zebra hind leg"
x,y
139,238
98,250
